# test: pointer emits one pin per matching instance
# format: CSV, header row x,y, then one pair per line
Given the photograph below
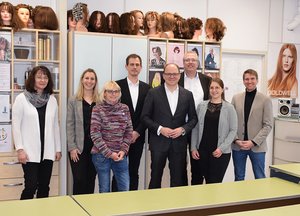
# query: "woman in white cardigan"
x,y
36,132
214,133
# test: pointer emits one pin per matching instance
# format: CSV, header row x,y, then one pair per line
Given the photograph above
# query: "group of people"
x,y
25,16
106,130
152,24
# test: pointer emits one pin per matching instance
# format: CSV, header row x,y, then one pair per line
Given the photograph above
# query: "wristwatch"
x,y
183,132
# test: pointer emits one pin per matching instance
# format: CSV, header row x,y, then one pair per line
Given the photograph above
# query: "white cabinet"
x,y
286,141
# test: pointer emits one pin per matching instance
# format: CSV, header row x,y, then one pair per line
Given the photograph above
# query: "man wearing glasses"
x,y
164,113
198,84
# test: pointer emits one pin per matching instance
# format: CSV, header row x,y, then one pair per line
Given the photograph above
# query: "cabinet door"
x,y
124,46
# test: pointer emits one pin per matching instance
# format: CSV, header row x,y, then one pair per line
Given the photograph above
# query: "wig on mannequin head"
x,y
45,18
21,8
15,22
93,22
113,23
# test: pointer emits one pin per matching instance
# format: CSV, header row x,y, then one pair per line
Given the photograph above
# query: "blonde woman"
x,y
78,132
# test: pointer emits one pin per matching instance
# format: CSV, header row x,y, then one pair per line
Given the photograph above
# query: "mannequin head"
x,y
182,29
127,25
167,21
9,17
195,27
113,23
214,29
138,20
152,23
81,13
71,21
97,22
44,18
24,13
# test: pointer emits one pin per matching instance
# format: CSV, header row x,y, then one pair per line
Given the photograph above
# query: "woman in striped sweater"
x,y
111,132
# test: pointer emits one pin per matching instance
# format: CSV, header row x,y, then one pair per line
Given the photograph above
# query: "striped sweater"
x,y
111,128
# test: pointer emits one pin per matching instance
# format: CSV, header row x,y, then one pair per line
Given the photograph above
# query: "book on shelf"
x,y
44,48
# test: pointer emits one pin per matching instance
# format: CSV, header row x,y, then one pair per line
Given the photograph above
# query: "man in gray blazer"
x,y
255,121
164,113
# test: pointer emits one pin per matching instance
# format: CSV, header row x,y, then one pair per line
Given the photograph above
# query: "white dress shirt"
x,y
134,92
194,85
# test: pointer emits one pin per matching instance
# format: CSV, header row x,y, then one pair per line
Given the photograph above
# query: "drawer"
x,y
11,168
286,151
287,130
11,189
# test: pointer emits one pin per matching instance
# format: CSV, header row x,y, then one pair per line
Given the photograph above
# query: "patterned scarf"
x,y
37,100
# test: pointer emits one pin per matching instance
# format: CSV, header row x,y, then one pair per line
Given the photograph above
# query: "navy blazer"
x,y
126,99
204,80
157,112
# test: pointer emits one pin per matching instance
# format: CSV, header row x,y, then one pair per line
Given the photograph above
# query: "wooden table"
x,y
195,200
289,172
63,205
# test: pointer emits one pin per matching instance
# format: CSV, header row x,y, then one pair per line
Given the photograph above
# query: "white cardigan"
x,y
26,129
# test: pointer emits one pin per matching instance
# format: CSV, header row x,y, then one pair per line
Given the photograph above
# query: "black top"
x,y
87,113
249,98
42,116
209,141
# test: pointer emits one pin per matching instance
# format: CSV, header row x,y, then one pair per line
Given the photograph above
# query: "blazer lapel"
x,y
180,100
165,99
127,95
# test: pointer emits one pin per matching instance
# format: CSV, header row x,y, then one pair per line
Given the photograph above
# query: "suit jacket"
x,y
126,99
157,112
210,62
260,121
204,80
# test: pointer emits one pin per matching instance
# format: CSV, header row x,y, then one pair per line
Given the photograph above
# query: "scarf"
x,y
37,100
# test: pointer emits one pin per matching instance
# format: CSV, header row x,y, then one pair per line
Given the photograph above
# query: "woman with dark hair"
x,y
36,132
97,22
79,141
44,18
215,131
284,81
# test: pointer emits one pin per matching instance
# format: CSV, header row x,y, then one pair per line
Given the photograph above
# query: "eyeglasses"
x,y
171,74
190,60
42,78
112,91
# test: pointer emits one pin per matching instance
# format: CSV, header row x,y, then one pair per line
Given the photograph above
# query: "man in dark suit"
x,y
169,113
210,63
198,84
134,93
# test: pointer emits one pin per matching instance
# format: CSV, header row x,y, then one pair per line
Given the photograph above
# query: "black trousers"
x,y
211,168
177,166
84,174
37,179
134,159
196,177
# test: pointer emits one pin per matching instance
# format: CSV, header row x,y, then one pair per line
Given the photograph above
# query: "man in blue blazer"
x,y
134,93
169,113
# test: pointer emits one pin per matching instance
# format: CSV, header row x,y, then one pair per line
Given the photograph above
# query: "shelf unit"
x,y
27,48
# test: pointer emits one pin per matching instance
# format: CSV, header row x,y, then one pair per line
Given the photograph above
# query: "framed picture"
x,y
175,53
212,57
198,49
155,78
5,46
157,55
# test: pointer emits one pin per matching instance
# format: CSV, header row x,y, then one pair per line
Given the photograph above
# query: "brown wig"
x,y
45,18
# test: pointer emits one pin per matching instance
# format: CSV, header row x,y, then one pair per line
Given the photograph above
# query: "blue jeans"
x,y
103,166
257,160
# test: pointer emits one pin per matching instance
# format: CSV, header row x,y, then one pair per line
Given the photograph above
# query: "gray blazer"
x,y
227,126
75,130
260,121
